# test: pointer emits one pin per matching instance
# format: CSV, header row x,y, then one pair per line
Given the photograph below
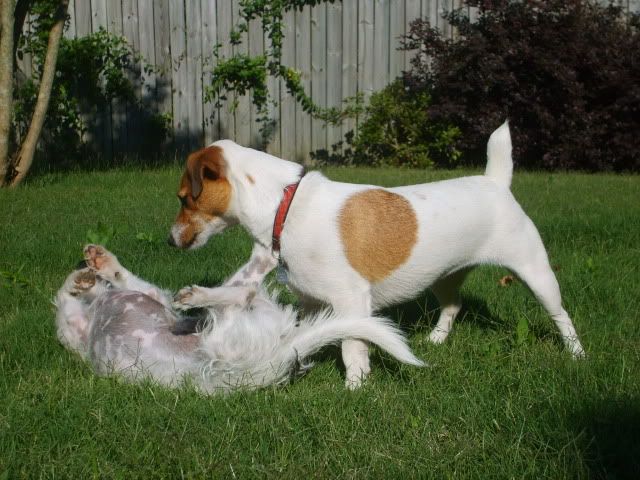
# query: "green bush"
x,y
397,131
565,73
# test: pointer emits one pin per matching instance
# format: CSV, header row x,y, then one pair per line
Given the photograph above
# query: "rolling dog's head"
x,y
205,195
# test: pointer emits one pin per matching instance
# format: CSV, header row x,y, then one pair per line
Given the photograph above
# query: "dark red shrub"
x,y
565,73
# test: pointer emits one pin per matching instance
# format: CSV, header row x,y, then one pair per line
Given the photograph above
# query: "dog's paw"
x,y
189,297
355,377
353,383
438,336
575,347
103,262
83,281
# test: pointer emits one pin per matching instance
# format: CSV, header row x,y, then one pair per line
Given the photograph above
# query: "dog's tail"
x,y
326,328
499,161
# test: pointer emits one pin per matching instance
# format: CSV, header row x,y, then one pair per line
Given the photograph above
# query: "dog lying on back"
x,y
125,326
359,248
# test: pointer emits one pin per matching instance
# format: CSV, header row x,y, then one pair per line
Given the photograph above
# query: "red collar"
x,y
281,214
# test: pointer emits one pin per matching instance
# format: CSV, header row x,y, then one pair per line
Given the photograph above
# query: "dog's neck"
x,y
258,181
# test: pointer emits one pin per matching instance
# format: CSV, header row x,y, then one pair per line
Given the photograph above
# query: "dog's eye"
x,y
183,200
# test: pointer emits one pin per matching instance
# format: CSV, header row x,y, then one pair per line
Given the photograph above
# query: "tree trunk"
x,y
28,149
6,83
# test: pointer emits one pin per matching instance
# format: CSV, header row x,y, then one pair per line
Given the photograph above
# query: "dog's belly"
x,y
131,335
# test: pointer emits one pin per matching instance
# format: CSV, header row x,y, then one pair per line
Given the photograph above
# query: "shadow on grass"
x,y
420,315
417,317
612,442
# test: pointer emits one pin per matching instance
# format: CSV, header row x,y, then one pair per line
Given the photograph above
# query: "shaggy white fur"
x,y
125,326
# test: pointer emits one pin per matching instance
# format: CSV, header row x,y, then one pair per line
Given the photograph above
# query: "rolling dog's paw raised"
x,y
103,262
83,281
188,297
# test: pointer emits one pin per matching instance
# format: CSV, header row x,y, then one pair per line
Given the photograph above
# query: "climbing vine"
x,y
244,74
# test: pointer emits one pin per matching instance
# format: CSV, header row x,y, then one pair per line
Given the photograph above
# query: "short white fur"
x,y
462,223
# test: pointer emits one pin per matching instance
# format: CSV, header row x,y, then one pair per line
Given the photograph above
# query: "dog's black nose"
x,y
171,241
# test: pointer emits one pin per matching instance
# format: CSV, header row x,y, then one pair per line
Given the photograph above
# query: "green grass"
x,y
501,398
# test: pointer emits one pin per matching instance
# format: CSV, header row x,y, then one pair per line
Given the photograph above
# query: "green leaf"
x,y
101,235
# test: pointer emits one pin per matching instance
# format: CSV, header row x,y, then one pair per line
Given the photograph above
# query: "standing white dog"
x,y
125,326
360,247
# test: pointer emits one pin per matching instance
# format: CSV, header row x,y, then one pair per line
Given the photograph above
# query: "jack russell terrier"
x,y
125,326
359,248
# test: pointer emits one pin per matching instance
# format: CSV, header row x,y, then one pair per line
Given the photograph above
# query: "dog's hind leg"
x,y
531,265
542,282
447,292
106,265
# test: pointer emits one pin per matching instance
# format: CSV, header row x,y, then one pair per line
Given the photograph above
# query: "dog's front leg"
x,y
239,290
256,269
218,297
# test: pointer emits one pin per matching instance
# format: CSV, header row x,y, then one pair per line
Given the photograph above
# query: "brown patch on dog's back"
x,y
378,229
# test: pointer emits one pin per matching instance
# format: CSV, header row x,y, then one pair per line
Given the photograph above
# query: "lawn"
x,y
500,399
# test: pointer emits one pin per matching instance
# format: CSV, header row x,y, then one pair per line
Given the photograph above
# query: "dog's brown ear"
x,y
206,163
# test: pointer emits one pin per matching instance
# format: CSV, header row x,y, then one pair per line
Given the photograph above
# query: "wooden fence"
x,y
339,48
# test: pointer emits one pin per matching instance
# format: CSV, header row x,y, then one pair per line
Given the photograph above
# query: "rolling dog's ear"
x,y
204,164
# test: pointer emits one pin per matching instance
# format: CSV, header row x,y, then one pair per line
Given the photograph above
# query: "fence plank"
x,y
445,7
179,79
272,129
194,74
319,72
70,30
396,30
163,64
243,110
118,109
412,12
255,45
103,127
226,111
349,58
25,64
474,13
431,12
334,68
287,102
209,40
131,31
303,65
381,44
148,52
83,18
365,48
